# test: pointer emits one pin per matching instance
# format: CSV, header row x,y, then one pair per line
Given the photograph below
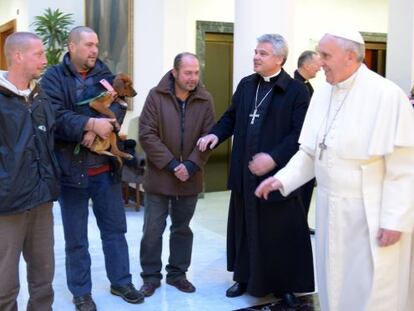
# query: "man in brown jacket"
x,y
176,113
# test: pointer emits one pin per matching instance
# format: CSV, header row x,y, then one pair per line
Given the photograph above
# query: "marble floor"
x,y
207,271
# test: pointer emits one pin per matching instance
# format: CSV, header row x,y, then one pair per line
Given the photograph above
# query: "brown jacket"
x,y
162,138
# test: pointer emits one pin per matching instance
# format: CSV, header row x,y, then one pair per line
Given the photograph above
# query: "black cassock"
x,y
268,243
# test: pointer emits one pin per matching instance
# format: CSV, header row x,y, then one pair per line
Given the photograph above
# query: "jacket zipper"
x,y
182,119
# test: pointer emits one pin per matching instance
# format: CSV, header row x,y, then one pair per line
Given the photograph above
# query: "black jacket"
x,y
28,168
280,126
65,87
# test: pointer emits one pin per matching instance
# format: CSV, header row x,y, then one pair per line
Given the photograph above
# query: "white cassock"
x,y
365,181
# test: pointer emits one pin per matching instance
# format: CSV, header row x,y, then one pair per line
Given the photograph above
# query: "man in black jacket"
x,y
86,175
28,175
268,244
309,64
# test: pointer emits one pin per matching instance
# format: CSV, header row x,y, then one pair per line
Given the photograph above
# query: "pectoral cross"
x,y
254,115
323,147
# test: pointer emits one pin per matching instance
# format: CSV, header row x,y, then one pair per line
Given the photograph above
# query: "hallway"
x,y
207,272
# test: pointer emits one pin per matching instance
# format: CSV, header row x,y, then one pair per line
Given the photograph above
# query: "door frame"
x,y
5,28
202,27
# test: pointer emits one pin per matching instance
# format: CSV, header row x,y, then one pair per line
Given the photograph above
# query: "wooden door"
x,y
5,30
375,56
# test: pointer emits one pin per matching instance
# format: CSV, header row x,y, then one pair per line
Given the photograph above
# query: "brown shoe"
x,y
148,288
183,285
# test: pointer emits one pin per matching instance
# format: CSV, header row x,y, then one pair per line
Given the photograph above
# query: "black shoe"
x,y
289,300
148,288
312,231
84,303
183,285
236,290
128,293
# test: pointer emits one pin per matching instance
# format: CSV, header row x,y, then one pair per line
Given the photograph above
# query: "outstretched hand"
x,y
208,141
266,186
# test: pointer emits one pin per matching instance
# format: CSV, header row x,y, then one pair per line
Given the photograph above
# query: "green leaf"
x,y
53,28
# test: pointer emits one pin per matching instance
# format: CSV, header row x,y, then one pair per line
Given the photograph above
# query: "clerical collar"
x,y
343,85
267,79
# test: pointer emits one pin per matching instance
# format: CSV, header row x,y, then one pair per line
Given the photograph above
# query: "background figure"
x,y
357,139
412,96
87,175
309,63
268,243
176,113
28,175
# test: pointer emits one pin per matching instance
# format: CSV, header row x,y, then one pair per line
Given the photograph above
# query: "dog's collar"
x,y
87,101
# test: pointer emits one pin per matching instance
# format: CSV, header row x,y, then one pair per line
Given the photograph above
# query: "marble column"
x,y
400,43
254,18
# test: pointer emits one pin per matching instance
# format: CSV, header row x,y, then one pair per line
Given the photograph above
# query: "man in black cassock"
x,y
309,64
268,243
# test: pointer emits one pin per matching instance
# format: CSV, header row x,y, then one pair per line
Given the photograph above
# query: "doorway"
x,y
215,50
5,30
375,51
375,56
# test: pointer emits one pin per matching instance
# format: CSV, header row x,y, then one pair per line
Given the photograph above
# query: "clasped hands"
x,y
181,172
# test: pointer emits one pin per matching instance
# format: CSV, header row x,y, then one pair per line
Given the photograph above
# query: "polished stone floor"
x,y
207,272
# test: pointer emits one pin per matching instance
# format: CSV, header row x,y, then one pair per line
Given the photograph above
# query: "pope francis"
x,y
358,141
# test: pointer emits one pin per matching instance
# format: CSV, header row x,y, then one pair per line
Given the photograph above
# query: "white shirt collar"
x,y
267,79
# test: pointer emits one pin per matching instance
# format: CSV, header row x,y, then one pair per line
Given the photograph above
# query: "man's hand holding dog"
x,y
101,126
88,139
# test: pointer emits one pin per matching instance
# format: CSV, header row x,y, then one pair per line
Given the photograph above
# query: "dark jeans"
x,y
181,210
110,216
30,233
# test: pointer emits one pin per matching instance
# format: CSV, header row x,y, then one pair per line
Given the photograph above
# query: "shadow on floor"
x,y
307,303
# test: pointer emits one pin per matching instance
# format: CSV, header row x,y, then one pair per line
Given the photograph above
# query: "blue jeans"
x,y
181,210
110,216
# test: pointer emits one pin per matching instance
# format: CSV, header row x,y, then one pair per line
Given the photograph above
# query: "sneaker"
x,y
183,285
84,303
148,288
128,293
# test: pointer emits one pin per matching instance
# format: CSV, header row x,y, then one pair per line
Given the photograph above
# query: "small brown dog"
x,y
122,85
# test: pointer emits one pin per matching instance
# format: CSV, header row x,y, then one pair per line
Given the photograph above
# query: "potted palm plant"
x,y
53,28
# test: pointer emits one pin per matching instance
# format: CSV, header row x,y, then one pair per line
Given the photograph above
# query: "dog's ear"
x,y
119,85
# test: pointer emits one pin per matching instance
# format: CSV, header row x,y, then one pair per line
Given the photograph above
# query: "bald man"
x,y
28,175
87,175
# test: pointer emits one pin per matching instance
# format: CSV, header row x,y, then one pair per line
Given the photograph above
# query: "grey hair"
x,y
279,44
18,41
305,57
349,45
75,33
179,59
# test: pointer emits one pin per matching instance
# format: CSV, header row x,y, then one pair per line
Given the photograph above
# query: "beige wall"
x,y
25,10
315,17
16,9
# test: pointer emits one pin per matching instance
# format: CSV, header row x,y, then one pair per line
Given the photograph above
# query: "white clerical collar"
x,y
348,82
267,79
